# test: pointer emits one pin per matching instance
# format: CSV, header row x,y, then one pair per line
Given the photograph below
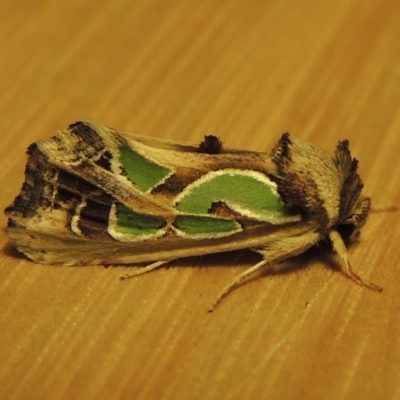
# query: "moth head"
x,y
326,187
350,224
354,207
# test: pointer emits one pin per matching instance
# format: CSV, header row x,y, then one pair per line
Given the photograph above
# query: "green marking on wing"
x,y
132,223
203,225
250,193
143,173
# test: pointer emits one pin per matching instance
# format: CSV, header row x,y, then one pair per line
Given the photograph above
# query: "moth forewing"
x,y
93,195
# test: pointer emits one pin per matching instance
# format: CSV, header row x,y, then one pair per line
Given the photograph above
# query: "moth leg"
x,y
236,281
273,252
145,270
340,249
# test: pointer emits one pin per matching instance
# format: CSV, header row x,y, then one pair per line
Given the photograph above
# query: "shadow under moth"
x,y
93,195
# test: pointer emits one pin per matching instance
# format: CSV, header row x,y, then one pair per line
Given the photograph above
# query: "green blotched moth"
x,y
93,195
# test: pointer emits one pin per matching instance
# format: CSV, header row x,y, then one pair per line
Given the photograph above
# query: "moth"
x,y
93,195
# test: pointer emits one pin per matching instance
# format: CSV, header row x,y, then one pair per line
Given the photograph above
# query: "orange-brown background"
x,y
246,70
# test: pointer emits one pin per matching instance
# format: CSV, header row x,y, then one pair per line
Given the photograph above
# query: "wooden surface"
x,y
247,71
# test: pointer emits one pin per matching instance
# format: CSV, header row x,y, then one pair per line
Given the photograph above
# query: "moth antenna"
x,y
340,249
235,282
145,270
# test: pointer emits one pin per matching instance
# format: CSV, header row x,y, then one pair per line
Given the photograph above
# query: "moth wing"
x,y
78,181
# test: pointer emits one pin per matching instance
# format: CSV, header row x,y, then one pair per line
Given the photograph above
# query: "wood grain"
x,y
247,71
